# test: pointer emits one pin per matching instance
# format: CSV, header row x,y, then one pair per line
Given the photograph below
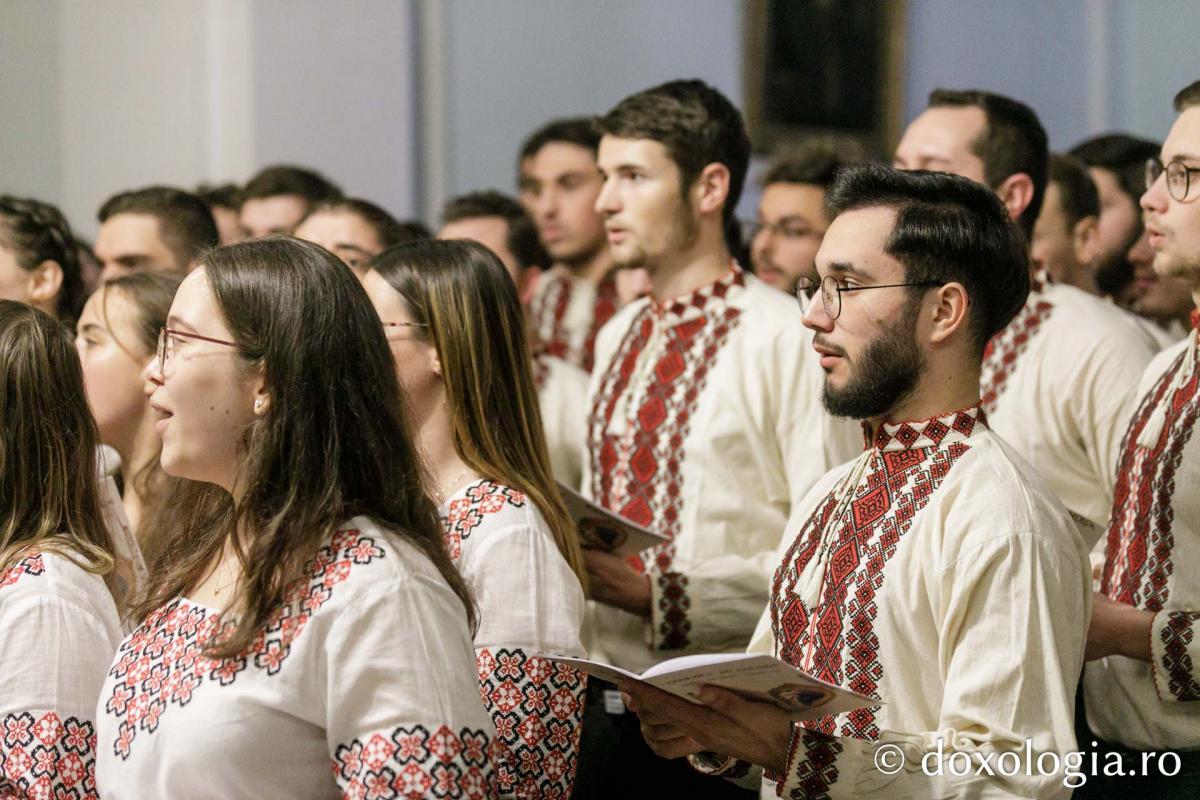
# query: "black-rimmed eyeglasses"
x,y
1179,176
831,291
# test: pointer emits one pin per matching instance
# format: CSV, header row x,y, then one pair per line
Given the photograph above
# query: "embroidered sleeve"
x,y
403,717
537,709
1175,646
530,603
53,656
44,755
713,607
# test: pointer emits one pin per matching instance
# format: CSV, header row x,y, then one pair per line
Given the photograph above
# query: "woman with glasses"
x,y
59,620
304,634
117,335
456,330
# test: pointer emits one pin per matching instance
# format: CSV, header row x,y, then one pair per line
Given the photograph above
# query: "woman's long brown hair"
x,y
468,304
148,296
49,495
334,445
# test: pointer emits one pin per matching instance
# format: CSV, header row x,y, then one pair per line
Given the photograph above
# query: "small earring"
x,y
258,404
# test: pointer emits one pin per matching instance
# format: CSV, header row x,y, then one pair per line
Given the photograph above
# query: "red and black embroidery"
x,y
47,756
1002,352
29,565
547,312
673,608
603,310
813,758
412,763
466,513
1141,537
637,472
162,663
836,640
1177,636
537,708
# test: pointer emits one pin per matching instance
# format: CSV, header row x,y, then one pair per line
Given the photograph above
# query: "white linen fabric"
x,y
530,603
707,427
362,684
1153,549
59,628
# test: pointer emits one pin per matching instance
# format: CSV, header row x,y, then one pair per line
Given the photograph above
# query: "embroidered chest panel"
x,y
162,663
1141,536
836,639
659,372
467,513
31,566
549,319
1004,351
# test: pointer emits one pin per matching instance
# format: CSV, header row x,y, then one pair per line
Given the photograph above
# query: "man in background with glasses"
x,y
1060,381
1142,695
937,572
792,217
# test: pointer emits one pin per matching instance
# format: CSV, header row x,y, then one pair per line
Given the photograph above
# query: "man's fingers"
x,y
669,746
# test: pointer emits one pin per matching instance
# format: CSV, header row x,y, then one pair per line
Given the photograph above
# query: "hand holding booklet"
x,y
601,529
754,677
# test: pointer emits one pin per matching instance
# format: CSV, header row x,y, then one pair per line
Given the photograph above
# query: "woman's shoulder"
x,y
487,507
50,576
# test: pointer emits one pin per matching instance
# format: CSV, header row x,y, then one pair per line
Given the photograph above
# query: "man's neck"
x,y
595,267
939,392
681,273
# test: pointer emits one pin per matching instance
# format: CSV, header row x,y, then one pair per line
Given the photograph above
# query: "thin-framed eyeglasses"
x,y
831,291
1179,176
405,325
166,345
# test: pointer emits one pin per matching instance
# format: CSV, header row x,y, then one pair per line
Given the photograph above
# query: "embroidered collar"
x,y
683,306
934,432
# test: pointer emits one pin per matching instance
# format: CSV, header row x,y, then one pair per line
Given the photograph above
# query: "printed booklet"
x,y
755,677
601,529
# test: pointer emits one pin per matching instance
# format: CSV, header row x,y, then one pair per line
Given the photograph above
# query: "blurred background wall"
x,y
409,101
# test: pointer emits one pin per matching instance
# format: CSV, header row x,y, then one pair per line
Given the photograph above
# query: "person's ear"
x,y
435,362
1016,192
949,312
711,189
1085,237
45,283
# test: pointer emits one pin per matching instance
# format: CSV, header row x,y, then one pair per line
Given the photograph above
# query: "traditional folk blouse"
x,y
567,312
362,685
1060,383
59,628
562,396
529,603
938,573
707,427
1153,563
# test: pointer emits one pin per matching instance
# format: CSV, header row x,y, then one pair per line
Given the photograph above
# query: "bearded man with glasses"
x,y
937,572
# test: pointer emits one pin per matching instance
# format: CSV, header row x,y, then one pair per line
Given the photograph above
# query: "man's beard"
x,y
685,230
887,372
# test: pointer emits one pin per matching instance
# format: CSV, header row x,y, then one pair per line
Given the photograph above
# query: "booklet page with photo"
x,y
755,677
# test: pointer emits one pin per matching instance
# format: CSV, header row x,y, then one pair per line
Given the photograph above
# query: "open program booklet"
x,y
601,529
755,677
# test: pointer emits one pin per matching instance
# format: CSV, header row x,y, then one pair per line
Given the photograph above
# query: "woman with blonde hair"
x,y
59,621
456,329
304,633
